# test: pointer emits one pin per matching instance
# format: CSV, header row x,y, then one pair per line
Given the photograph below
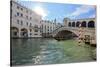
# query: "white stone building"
x,y
47,27
24,22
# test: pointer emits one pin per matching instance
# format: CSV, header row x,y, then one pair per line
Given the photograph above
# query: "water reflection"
x,y
47,51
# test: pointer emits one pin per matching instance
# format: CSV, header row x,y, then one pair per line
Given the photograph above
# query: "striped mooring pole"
x,y
80,35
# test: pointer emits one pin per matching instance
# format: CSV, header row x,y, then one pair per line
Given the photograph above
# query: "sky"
x,y
58,11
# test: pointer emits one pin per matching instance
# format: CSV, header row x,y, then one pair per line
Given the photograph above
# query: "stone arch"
x,y
14,31
65,34
77,24
64,29
73,24
69,24
91,24
24,32
83,24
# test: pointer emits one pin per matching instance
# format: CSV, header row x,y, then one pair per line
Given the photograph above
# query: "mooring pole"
x,y
80,35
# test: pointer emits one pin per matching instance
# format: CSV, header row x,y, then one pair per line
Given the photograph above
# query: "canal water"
x,y
49,51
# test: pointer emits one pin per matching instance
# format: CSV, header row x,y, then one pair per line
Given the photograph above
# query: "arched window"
x,y
73,24
24,32
69,24
77,24
83,24
91,24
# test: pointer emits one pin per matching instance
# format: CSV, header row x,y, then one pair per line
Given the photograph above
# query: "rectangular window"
x,y
17,7
27,23
21,22
17,21
22,9
17,13
30,24
21,15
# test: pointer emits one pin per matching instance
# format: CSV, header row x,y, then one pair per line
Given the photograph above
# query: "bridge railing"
x,y
75,30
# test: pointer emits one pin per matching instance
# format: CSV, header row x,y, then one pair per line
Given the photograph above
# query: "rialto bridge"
x,y
65,31
77,28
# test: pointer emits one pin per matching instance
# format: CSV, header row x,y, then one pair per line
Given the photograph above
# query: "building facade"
x,y
47,27
24,22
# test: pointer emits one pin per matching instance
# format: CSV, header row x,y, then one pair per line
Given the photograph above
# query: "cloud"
x,y
40,11
81,10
